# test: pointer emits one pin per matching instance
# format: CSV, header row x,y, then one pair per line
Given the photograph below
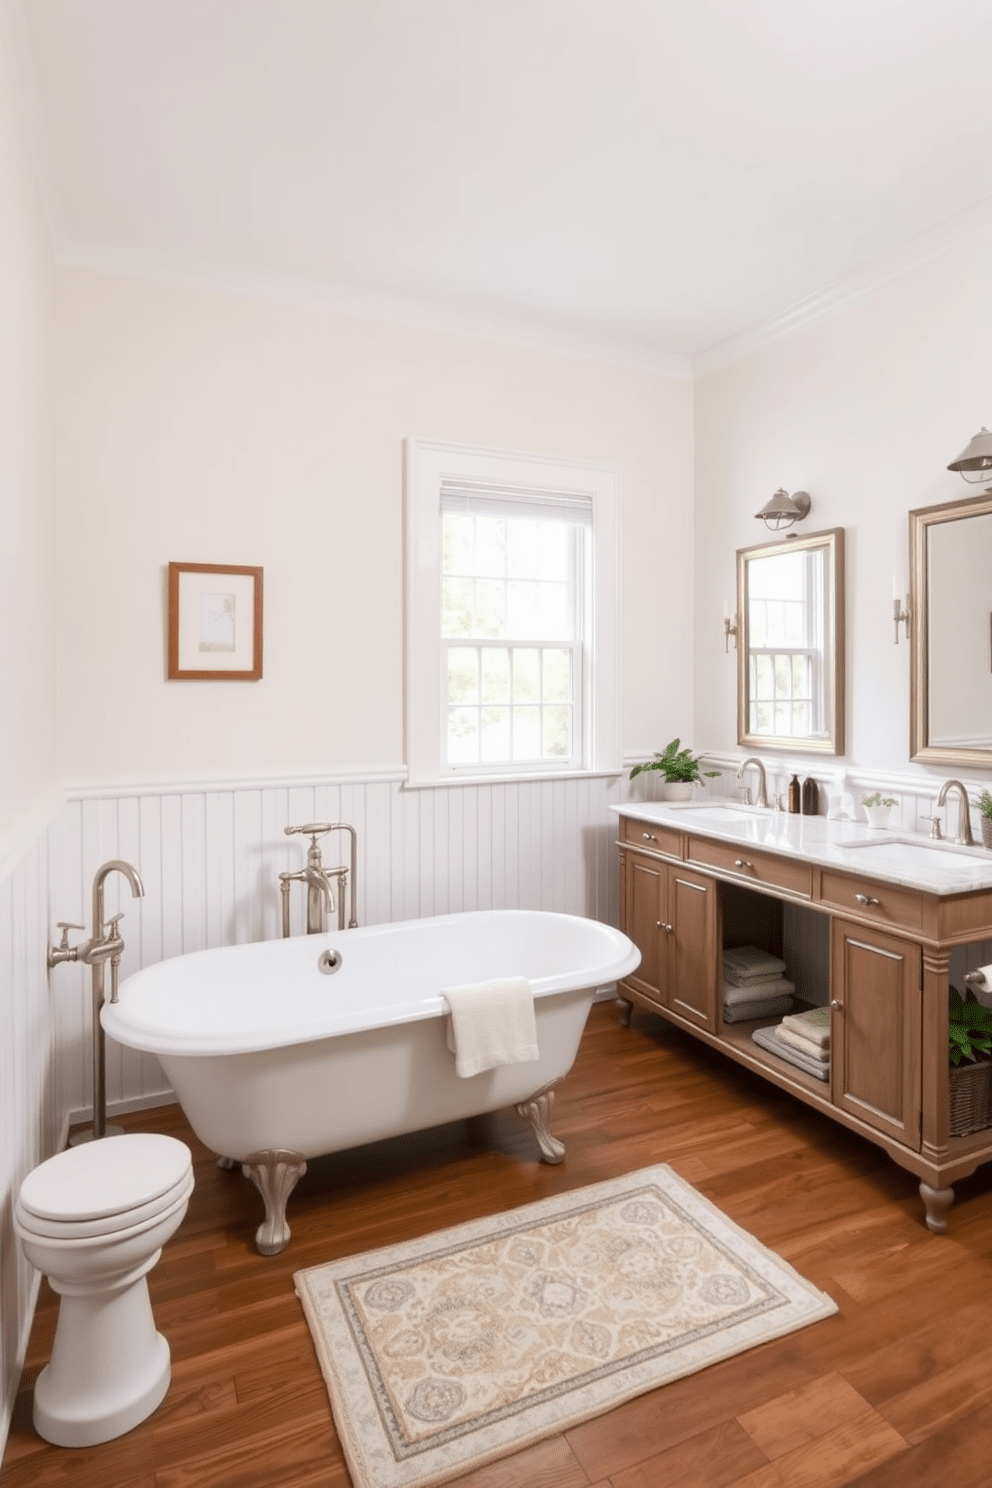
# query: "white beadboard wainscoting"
x,y
32,1100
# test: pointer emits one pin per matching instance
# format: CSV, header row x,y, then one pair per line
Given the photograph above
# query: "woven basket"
x,y
971,1098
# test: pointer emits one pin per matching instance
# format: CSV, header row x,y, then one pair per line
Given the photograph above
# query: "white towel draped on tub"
x,y
491,1023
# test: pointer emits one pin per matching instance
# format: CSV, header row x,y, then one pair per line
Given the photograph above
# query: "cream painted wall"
x,y
863,410
209,427
27,574
31,1104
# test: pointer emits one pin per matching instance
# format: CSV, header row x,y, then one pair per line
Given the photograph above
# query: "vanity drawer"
x,y
757,867
652,838
888,904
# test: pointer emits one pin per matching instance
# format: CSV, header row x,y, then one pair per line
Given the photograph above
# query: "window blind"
x,y
491,501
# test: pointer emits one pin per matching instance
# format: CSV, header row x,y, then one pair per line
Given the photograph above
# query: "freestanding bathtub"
x,y
286,1049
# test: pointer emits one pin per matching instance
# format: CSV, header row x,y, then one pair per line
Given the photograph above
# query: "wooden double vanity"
x,y
868,922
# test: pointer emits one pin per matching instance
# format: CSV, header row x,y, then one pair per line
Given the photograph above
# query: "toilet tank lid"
x,y
106,1177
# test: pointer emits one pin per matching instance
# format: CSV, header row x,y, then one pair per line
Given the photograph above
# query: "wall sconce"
x,y
978,456
782,509
900,605
729,627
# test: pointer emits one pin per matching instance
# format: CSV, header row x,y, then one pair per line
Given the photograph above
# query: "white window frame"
x,y
429,464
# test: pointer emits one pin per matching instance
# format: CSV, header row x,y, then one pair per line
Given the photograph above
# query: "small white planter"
x,y
676,790
878,816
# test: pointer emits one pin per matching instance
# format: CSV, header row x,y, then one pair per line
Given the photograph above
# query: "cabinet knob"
x,y
865,899
662,926
649,837
835,1004
742,863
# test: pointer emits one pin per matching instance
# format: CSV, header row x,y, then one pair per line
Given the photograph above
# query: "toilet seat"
x,y
106,1187
110,1226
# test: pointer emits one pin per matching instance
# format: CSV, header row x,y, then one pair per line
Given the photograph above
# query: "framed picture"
x,y
215,622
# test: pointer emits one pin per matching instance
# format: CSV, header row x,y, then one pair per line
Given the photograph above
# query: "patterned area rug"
x,y
454,1350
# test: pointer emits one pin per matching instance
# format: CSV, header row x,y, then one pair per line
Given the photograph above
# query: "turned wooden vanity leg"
x,y
626,1011
536,1112
938,1201
275,1174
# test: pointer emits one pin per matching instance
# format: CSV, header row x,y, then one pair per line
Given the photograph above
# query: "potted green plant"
x,y
877,808
680,769
969,1029
984,804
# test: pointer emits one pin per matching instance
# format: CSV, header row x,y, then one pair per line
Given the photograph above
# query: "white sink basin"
x,y
727,811
932,857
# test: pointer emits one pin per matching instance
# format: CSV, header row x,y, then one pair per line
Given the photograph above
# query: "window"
x,y
512,626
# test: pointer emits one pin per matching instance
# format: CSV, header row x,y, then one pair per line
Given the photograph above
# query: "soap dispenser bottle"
x,y
810,797
795,795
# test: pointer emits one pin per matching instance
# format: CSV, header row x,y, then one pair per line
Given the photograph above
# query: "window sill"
x,y
514,779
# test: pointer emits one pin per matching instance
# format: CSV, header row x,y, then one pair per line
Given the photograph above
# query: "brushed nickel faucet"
x,y
320,880
762,786
964,837
105,944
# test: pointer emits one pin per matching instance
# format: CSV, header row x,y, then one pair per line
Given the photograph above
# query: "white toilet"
x,y
94,1219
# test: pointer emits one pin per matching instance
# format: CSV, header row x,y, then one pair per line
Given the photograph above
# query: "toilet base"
x,y
109,1367
87,1422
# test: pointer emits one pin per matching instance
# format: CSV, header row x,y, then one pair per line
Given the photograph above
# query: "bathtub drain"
x,y
329,962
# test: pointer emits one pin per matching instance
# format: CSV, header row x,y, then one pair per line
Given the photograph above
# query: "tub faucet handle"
x,y
63,951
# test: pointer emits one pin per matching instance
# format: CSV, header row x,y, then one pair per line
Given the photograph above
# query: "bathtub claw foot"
x,y
536,1112
275,1174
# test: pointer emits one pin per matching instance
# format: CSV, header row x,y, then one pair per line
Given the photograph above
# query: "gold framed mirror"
x,y
950,555
790,644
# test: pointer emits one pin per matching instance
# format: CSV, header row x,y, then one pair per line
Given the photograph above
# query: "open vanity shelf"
x,y
876,946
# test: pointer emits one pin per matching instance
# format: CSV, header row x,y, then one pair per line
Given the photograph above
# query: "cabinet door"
x,y
691,951
876,1029
644,882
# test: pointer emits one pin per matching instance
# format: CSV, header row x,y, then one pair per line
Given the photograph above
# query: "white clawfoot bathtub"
x,y
287,1049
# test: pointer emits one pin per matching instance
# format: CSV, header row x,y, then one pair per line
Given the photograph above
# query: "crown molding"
x,y
849,288
365,304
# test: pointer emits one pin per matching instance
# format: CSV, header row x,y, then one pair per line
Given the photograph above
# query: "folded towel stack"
x,y
802,1039
746,964
767,1038
754,985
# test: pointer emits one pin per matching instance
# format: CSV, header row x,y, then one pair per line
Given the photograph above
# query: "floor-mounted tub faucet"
x,y
320,880
762,787
964,837
105,944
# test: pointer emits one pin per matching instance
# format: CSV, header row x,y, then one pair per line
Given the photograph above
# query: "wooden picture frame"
x,y
215,622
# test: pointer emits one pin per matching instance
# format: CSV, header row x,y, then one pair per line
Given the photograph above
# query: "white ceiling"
x,y
661,175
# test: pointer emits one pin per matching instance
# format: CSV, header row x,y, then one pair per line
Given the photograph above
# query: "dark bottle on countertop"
x,y
795,794
811,797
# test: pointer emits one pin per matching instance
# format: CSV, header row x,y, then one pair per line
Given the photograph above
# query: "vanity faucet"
x,y
762,788
964,837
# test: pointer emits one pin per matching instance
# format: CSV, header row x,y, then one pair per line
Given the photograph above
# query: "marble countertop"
x,y
896,857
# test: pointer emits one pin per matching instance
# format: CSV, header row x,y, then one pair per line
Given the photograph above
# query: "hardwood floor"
x,y
896,1389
